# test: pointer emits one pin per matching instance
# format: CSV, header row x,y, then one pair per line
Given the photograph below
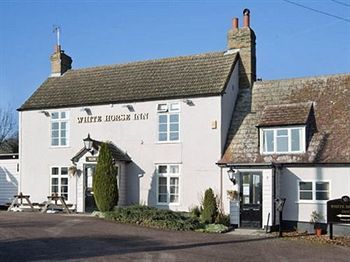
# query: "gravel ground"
x,y
322,240
54,237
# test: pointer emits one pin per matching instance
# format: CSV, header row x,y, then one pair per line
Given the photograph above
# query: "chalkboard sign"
x,y
338,210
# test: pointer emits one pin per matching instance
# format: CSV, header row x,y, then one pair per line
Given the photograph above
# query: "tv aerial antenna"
x,y
57,31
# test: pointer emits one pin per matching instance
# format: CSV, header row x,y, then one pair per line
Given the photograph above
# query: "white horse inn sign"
x,y
112,118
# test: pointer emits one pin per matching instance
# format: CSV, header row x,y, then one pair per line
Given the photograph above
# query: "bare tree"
x,y
8,132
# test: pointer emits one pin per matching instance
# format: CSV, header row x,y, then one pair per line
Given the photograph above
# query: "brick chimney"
x,y
60,62
244,40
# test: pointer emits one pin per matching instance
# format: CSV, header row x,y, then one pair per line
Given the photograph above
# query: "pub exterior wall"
x,y
296,210
197,151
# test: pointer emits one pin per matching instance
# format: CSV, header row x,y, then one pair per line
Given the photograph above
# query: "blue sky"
x,y
291,41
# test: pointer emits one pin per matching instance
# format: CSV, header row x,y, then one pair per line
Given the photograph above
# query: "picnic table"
x,y
52,200
20,198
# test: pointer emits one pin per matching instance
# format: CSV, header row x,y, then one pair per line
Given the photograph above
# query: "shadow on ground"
x,y
62,248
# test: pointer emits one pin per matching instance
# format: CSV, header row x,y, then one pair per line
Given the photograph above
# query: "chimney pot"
x,y
246,18
235,23
57,49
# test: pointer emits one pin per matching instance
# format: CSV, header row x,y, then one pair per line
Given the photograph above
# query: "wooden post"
x,y
331,231
280,228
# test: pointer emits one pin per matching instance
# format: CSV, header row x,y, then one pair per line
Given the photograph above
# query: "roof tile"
x,y
185,76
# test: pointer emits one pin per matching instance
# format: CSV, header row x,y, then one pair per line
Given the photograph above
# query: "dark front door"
x,y
251,199
89,171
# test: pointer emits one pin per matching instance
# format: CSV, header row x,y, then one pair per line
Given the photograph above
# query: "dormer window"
x,y
283,128
282,140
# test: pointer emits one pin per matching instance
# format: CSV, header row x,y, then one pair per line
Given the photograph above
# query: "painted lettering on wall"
x,y
112,118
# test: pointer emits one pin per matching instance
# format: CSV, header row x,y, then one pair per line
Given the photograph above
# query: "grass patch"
x,y
213,228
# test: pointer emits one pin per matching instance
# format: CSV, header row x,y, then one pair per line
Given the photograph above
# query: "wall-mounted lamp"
x,y
88,143
130,107
189,102
232,173
46,113
87,110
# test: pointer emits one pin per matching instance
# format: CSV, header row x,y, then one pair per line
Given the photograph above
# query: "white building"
x,y
166,120
9,176
177,125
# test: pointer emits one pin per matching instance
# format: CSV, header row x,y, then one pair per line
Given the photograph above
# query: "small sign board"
x,y
338,210
91,159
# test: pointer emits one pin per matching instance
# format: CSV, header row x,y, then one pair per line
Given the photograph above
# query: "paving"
x,y
54,237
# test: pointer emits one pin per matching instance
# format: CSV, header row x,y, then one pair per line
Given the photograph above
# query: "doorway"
x,y
89,170
251,199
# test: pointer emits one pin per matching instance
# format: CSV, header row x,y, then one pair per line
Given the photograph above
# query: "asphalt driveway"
x,y
42,237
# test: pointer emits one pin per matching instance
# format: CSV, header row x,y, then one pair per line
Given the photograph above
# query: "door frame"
x,y
85,165
250,187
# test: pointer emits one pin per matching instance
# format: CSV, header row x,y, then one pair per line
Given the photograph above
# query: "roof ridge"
x,y
303,78
309,103
103,67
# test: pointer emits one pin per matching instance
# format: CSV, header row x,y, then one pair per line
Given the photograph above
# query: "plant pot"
x,y
318,232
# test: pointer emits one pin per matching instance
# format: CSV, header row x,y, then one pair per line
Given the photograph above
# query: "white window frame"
x,y
313,190
59,176
289,129
168,175
166,109
59,121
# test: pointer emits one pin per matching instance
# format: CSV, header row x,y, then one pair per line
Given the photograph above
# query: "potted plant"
x,y
232,194
72,170
316,219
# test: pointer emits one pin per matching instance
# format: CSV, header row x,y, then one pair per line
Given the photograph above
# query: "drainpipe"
x,y
221,188
274,173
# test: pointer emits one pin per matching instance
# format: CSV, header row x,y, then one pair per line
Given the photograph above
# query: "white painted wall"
x,y
197,152
339,178
8,180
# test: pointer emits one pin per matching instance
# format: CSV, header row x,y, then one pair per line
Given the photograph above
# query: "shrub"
x,y
153,217
195,212
222,219
105,181
210,208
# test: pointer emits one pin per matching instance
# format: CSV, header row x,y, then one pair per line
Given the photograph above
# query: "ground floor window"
x,y
168,177
313,190
59,181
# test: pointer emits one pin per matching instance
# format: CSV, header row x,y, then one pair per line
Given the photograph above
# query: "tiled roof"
x,y
285,114
330,97
185,76
116,152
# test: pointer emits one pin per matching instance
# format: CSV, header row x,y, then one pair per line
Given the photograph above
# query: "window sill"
x,y
168,204
57,147
282,153
318,202
168,142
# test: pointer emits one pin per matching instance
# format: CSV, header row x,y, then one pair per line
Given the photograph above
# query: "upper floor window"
x,y
313,190
283,140
59,128
168,122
